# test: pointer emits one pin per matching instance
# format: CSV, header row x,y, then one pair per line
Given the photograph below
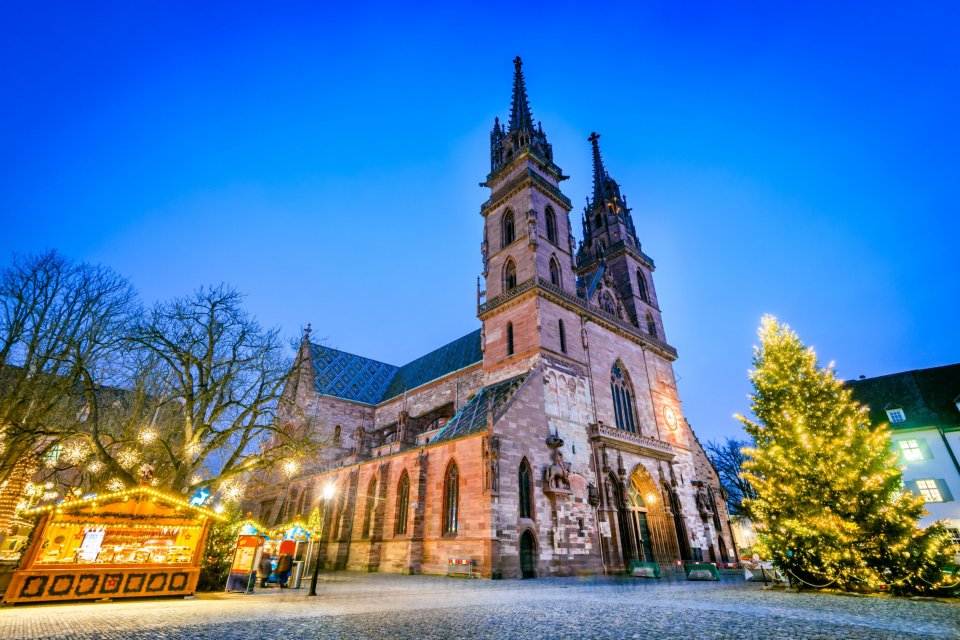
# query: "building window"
x,y
403,499
642,287
563,337
896,415
651,325
507,235
368,515
340,522
52,456
509,275
598,222
911,450
954,535
336,435
524,483
607,303
451,499
554,272
930,490
551,225
623,406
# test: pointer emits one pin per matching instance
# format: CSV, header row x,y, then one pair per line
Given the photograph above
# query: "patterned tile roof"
x,y
349,376
353,377
472,418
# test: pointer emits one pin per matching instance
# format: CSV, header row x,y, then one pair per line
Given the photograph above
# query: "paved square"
x,y
354,605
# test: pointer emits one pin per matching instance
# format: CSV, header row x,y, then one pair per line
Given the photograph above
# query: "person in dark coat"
x,y
284,565
266,566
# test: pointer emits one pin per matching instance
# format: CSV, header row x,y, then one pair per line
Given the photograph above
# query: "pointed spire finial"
x,y
599,173
306,333
520,117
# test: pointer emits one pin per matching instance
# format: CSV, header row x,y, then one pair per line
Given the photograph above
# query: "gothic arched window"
x,y
507,234
551,225
336,435
524,482
622,392
642,287
607,302
451,499
598,221
509,338
563,337
368,515
554,272
341,507
509,275
651,325
403,499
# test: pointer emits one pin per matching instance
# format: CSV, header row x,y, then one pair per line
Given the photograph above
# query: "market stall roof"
x,y
114,496
253,527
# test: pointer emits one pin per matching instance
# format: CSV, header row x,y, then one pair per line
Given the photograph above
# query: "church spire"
x,y
606,220
599,173
520,135
521,119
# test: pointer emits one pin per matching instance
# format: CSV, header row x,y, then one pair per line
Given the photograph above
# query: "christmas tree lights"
x,y
830,506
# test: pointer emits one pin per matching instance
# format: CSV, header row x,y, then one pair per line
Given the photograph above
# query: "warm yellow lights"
x,y
328,490
97,500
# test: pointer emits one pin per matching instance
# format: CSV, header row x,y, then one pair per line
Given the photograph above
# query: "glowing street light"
x,y
328,490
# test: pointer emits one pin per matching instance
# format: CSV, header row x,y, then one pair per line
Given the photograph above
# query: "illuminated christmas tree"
x,y
830,508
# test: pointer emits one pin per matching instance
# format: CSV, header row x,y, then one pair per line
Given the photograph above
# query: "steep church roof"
x,y
472,418
352,377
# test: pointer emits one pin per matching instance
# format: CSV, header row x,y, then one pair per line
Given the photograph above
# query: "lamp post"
x,y
328,492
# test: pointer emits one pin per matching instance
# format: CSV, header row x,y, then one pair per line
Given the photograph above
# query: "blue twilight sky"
x,y
795,160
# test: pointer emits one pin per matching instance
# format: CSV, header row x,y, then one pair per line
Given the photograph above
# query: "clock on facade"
x,y
670,417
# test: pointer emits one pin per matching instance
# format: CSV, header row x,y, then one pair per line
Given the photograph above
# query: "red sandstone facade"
x,y
551,442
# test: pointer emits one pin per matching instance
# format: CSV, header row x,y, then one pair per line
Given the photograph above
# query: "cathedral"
x,y
550,441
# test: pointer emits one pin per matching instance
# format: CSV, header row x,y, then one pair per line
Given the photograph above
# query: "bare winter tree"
x,y
728,458
207,382
95,394
61,323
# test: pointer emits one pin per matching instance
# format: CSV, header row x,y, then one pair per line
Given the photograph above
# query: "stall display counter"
x,y
134,543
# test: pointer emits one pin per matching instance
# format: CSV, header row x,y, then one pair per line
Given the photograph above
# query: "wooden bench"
x,y
460,567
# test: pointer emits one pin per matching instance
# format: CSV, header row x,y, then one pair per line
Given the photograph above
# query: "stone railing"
x,y
496,301
645,444
609,317
615,247
546,285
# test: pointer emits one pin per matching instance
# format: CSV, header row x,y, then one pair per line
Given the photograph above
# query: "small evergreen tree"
x,y
829,505
218,551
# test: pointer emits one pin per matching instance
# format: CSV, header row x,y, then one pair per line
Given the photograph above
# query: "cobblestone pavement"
x,y
423,607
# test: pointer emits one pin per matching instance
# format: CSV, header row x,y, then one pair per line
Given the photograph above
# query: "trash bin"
x,y
297,574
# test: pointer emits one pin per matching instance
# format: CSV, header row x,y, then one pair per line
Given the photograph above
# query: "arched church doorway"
x,y
651,532
528,555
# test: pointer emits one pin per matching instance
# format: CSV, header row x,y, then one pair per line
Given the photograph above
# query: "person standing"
x,y
266,566
284,565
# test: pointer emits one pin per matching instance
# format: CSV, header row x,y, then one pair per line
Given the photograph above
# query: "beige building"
x,y
551,440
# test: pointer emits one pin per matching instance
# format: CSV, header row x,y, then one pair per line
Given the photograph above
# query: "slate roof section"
x,y
927,396
348,376
472,418
352,377
460,353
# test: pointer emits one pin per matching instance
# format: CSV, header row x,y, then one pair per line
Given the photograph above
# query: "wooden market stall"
x,y
133,543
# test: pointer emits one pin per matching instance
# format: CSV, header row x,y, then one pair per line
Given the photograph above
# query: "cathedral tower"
x,y
527,244
610,245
